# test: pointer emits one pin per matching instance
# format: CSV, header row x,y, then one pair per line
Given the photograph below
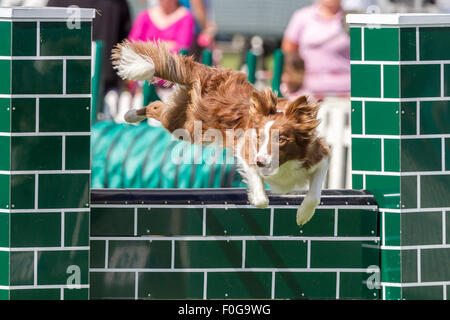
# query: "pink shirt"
x,y
325,48
180,32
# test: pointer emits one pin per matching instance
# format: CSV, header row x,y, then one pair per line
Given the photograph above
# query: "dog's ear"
x,y
282,104
304,112
263,103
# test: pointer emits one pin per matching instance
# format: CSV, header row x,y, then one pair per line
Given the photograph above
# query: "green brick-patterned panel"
x,y
237,222
20,32
366,81
321,225
408,47
120,285
59,40
160,285
399,120
239,285
5,80
232,252
381,44
5,45
45,97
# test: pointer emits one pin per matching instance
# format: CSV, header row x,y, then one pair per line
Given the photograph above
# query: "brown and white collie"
x,y
289,154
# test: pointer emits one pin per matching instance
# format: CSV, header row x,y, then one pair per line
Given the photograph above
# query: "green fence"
x,y
45,124
53,247
211,244
400,69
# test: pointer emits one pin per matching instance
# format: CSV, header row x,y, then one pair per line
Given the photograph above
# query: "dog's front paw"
x,y
258,200
306,210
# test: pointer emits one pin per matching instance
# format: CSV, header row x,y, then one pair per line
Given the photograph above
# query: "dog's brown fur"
x,y
223,99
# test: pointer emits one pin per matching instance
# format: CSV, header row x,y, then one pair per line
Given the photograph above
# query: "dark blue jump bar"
x,y
218,196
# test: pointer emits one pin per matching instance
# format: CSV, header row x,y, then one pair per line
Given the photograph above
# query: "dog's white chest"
x,y
290,176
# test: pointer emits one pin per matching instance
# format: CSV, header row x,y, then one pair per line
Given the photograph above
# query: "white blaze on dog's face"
x,y
267,156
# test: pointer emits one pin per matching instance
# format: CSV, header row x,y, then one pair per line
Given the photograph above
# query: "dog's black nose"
x,y
260,164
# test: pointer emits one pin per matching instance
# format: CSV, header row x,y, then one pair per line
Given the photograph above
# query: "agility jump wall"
x,y
400,69
211,244
45,102
152,244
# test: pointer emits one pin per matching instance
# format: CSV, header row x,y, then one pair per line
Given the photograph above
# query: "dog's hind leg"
x,y
172,114
153,110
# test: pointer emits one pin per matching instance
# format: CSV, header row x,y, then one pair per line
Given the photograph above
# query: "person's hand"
x,y
206,37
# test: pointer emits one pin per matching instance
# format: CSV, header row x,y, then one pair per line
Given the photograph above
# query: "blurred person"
x,y
205,28
292,76
168,21
318,34
111,25
199,9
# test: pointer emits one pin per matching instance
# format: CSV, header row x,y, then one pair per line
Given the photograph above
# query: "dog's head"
x,y
283,130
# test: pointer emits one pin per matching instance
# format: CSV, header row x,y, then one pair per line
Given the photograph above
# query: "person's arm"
x,y
288,46
292,33
200,13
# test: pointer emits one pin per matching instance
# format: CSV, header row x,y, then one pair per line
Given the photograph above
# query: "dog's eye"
x,y
281,139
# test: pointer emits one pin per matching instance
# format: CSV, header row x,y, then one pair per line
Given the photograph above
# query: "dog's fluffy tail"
x,y
145,60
